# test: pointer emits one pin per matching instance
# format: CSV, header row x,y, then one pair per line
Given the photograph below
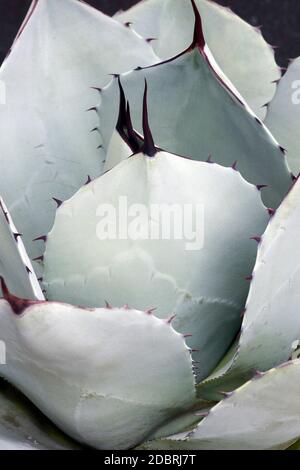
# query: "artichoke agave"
x,y
140,341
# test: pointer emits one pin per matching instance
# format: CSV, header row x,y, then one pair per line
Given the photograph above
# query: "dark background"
x,y
280,20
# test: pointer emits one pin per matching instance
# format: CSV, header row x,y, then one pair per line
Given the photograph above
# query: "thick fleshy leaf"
x,y
15,264
239,49
23,427
145,262
46,145
107,377
271,327
195,111
284,114
261,415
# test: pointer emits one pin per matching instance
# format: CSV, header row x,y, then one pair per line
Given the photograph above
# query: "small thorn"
x,y
271,211
234,166
42,238
28,270
138,68
258,374
115,75
209,160
258,121
58,201
128,24
150,310
282,149
40,279
96,88
226,394
243,312
256,239
187,335
261,186
96,129
39,258
148,148
249,278
171,318
107,305
89,179
17,235
99,147
94,108
195,350
151,39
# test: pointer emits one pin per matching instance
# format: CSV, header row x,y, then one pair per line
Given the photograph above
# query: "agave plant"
x,y
138,341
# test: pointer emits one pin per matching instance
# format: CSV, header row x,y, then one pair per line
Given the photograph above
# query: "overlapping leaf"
x,y
239,49
46,145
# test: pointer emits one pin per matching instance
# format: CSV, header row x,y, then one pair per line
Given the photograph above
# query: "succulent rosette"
x,y
143,339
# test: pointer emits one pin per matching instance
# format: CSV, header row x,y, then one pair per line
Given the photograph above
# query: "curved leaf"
x,y
195,111
107,377
239,49
15,265
46,145
261,415
271,327
284,113
192,274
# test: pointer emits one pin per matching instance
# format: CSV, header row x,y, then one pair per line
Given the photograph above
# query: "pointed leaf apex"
x,y
148,146
198,40
124,125
17,305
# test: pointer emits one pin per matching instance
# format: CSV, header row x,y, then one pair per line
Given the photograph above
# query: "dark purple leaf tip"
x,y
17,305
124,125
148,147
198,40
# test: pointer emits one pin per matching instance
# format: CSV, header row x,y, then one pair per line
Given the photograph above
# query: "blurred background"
x,y
280,21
